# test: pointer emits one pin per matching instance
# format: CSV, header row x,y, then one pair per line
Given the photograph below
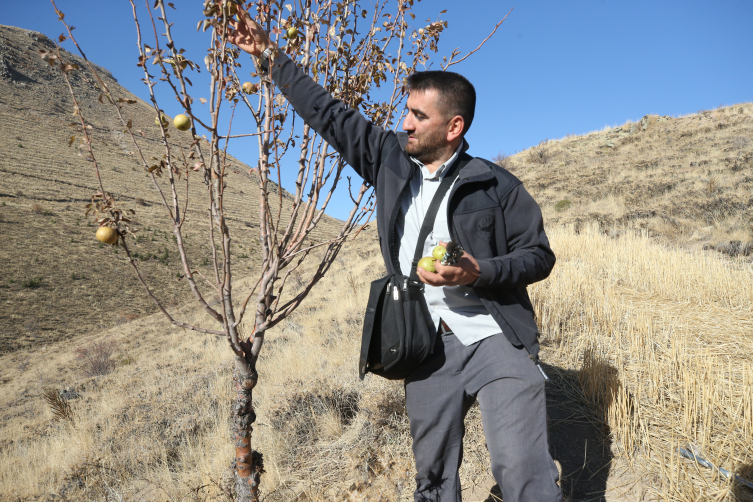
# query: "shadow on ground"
x,y
740,491
578,435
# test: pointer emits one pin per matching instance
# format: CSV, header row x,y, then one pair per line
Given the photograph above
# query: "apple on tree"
x,y
182,122
162,119
107,235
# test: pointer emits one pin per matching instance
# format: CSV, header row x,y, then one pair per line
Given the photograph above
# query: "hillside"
x,y
685,180
57,282
646,326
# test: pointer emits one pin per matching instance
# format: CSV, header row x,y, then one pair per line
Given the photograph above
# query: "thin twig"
x,y
450,63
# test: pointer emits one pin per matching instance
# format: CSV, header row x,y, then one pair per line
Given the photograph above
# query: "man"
x,y
486,346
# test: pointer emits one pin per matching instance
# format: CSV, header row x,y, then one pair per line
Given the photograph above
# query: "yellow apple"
x,y
181,122
427,263
438,252
248,87
292,32
182,62
107,235
165,122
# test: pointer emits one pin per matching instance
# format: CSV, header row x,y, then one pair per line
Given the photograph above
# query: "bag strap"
x,y
431,214
428,224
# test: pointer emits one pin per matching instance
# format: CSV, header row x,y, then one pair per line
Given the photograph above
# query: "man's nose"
x,y
407,123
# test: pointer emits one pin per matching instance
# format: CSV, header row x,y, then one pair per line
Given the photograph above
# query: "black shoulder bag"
x,y
397,331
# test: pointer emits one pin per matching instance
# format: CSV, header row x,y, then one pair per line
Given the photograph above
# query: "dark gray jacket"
x,y
490,214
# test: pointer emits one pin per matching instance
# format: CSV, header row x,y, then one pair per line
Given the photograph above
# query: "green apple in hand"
x,y
427,263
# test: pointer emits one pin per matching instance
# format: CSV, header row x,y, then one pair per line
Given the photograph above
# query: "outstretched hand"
x,y
248,34
463,273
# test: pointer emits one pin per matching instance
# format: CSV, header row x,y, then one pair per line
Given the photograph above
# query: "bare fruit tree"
x,y
355,53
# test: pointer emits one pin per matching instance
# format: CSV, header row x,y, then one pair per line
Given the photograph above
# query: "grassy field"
x,y
647,343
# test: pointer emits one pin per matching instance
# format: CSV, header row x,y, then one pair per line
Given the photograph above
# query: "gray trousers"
x,y
510,391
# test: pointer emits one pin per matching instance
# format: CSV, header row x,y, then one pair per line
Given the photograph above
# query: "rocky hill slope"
x,y
686,180
56,281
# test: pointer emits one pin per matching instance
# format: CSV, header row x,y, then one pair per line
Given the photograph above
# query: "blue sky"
x,y
553,68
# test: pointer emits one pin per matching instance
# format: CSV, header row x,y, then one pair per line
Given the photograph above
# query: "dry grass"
x,y
685,180
658,337
676,328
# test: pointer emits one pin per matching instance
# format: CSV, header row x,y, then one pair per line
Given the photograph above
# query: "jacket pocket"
x,y
481,232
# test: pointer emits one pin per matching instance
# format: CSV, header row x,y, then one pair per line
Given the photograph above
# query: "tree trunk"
x,y
248,463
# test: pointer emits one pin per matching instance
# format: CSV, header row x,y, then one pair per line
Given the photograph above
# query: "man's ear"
x,y
455,127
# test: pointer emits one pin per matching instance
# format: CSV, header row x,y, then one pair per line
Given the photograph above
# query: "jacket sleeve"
x,y
360,142
530,259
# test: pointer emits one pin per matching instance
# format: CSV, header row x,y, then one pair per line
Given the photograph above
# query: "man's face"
x,y
426,126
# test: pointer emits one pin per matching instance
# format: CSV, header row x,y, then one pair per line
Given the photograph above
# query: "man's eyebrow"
x,y
417,111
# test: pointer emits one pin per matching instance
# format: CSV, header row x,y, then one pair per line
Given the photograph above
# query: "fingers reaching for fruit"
x,y
248,34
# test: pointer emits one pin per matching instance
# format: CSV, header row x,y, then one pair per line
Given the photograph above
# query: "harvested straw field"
x,y
648,348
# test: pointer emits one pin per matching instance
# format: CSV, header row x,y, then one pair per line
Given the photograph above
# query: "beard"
x,y
428,148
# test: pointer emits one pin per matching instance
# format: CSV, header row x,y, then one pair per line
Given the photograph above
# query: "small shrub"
x,y
31,325
37,209
563,205
32,283
95,357
740,142
540,154
712,185
125,317
502,160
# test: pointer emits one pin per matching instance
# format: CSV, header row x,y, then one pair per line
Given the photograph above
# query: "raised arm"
x,y
360,142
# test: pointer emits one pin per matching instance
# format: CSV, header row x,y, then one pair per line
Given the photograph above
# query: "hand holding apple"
x,y
464,272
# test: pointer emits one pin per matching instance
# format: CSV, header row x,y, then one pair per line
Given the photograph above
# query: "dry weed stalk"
x,y
61,409
343,47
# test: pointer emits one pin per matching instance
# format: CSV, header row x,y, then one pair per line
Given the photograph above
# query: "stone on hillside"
x,y
68,394
644,123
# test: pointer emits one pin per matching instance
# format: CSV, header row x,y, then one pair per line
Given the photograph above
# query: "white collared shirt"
x,y
458,306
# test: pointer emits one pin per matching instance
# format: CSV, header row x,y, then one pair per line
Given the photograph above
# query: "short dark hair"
x,y
456,93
